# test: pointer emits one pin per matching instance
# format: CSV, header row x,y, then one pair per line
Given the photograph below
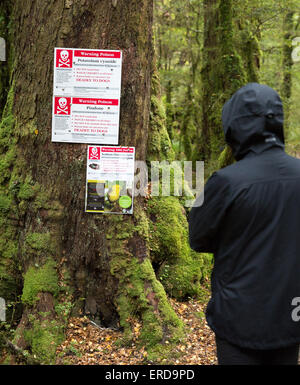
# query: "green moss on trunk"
x,y
9,216
44,338
222,75
39,279
159,143
287,65
4,66
180,269
140,294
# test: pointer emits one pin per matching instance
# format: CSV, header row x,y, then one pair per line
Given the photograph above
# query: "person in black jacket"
x,y
250,220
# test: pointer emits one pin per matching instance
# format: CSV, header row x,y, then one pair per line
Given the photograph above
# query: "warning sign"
x,y
110,180
85,120
86,72
86,95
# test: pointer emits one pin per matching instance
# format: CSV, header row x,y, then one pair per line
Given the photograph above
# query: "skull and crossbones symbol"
x,y
94,153
62,108
64,60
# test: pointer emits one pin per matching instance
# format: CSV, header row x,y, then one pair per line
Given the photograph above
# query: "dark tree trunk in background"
x,y
287,65
222,75
4,11
210,81
100,264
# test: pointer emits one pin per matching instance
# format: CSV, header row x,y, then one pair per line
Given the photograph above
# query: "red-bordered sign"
x,y
98,54
118,149
96,101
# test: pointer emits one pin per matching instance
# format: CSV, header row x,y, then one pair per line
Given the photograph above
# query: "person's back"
x,y
250,220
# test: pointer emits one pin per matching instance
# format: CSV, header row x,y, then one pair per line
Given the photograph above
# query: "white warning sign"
x,y
86,95
85,120
110,180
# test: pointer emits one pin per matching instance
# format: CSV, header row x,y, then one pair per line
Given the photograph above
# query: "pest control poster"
x,y
86,96
110,180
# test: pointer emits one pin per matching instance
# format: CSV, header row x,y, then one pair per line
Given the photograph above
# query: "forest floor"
x,y
88,344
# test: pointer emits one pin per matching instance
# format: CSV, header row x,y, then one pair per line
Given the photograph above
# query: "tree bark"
x,y
98,265
222,74
287,65
4,11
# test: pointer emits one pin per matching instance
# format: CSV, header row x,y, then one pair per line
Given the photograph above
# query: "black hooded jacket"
x,y
250,220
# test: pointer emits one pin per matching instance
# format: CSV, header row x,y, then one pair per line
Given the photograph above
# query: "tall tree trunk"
x,y
4,11
222,75
210,81
98,265
169,109
250,52
188,128
287,65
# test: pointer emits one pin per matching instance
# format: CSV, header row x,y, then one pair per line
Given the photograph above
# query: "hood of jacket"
x,y
253,120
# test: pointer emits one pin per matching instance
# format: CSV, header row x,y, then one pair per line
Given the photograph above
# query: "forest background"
x,y
192,36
